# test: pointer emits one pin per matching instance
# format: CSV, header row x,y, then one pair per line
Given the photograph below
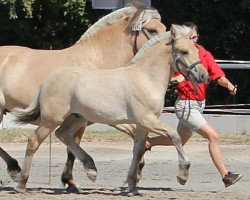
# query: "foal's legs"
x,y
66,134
34,141
130,130
138,152
67,176
159,128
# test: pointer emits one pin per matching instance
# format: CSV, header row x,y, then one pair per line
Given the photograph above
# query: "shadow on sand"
x,y
120,191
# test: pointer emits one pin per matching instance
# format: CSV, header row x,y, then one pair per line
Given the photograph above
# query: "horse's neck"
x,y
108,48
155,68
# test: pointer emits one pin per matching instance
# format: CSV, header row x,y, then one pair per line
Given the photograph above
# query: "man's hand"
x,y
178,79
232,89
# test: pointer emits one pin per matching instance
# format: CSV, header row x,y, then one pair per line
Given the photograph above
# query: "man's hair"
x,y
191,25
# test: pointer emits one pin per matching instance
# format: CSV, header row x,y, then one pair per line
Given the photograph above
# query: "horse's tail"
x,y
29,114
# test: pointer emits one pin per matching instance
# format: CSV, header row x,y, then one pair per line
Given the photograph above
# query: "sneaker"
x,y
231,178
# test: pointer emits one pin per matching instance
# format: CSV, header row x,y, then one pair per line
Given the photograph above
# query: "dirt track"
x,y
113,160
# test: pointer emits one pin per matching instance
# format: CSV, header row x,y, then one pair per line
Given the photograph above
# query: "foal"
x,y
70,97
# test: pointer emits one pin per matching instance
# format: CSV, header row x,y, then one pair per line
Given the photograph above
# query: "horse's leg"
x,y
66,134
184,163
130,130
12,165
34,141
67,175
126,128
156,126
138,152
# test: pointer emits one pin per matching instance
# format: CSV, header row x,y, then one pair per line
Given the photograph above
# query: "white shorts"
x,y
189,113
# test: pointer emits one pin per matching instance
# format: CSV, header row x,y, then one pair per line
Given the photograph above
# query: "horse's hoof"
x,y
181,181
133,192
72,189
13,166
182,176
20,189
92,174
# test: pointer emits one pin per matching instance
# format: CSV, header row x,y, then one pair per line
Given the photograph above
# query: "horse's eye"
x,y
152,31
184,52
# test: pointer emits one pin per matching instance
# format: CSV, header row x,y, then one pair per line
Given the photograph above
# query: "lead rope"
x,y
51,139
50,159
195,86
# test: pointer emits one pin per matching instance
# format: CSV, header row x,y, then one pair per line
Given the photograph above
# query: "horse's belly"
x,y
105,115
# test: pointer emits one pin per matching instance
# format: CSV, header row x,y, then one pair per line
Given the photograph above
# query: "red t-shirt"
x,y
186,89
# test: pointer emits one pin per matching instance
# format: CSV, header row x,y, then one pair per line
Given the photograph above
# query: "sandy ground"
x,y
113,160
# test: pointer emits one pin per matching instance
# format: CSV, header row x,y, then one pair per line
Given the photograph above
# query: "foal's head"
x,y
185,55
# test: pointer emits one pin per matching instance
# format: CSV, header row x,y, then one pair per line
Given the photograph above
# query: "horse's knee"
x,y
32,142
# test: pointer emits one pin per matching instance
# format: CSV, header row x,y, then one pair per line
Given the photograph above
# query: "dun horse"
x,y
133,94
111,42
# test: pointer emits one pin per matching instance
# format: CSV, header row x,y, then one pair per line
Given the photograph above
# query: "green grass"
x,y
225,138
21,135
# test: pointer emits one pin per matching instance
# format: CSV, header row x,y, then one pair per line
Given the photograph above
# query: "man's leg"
x,y
212,136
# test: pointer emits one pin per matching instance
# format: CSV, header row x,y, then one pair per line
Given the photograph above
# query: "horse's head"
x,y
124,30
185,55
144,24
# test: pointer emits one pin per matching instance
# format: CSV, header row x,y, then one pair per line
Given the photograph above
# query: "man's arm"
x,y
223,81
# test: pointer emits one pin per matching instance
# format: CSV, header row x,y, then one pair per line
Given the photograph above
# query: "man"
x,y
189,107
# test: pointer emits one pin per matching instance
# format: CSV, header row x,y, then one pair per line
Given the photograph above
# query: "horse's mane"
x,y
132,10
181,31
154,40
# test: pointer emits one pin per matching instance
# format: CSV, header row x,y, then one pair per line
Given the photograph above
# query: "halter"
x,y
139,26
178,61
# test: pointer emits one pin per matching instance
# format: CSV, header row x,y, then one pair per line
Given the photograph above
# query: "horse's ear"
x,y
173,31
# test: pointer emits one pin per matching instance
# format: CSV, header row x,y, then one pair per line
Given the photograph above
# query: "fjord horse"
x,y
109,43
132,94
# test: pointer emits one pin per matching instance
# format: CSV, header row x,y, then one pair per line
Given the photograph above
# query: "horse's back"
x,y
7,52
12,48
12,56
21,71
